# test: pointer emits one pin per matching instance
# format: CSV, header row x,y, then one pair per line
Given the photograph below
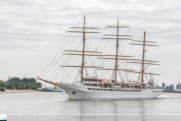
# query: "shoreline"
x,y
18,91
171,92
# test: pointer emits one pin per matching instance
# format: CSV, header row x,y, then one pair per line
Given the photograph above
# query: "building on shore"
x,y
167,88
164,85
170,87
178,86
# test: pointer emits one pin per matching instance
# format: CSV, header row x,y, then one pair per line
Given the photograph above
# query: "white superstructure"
x,y
81,91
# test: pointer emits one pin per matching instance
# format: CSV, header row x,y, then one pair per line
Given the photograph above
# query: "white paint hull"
x,y
82,92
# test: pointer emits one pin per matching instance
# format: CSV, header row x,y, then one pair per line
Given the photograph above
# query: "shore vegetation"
x,y
17,83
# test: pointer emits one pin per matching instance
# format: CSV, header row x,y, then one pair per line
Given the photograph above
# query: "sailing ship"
x,y
93,87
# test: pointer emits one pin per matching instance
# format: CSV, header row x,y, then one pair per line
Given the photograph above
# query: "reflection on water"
x,y
56,103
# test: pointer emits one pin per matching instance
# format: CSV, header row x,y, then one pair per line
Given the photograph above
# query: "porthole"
x,y
74,92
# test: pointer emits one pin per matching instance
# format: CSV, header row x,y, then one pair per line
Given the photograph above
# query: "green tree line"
x,y
17,83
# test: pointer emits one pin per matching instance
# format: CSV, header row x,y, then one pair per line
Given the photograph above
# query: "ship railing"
x,y
115,89
90,82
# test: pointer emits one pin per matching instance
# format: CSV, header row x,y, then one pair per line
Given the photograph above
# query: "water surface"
x,y
57,103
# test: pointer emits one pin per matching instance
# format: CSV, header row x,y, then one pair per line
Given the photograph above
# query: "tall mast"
x,y
117,46
143,59
82,70
83,52
117,37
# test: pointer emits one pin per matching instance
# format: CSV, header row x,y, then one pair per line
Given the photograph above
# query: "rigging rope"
x,y
77,76
60,49
66,61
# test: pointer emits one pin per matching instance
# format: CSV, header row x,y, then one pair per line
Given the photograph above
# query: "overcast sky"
x,y
33,31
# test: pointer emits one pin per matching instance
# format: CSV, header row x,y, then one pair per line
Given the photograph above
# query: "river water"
x,y
56,103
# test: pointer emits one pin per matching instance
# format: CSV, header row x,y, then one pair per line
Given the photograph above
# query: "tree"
x,y
18,87
2,84
39,85
34,87
32,80
27,86
29,80
15,79
10,86
25,83
24,80
2,89
16,84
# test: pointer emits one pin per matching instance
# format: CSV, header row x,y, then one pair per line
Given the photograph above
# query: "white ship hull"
x,y
96,93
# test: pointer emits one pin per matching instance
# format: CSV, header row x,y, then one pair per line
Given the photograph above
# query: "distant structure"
x,y
178,86
167,88
163,85
170,88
